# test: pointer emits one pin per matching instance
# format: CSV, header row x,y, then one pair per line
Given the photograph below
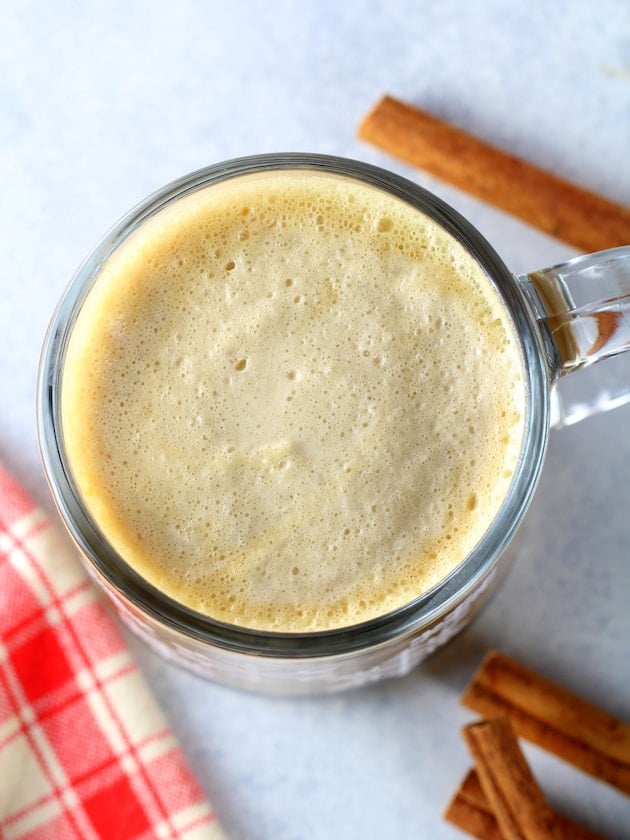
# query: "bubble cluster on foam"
x,y
293,402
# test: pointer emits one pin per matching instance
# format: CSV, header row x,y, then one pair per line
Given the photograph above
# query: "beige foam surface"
x,y
293,402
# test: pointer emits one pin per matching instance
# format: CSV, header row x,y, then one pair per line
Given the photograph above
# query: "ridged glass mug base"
x,y
300,675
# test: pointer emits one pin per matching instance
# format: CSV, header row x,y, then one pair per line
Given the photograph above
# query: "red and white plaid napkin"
x,y
84,750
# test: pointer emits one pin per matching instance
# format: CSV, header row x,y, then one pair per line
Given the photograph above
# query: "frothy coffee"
x,y
293,402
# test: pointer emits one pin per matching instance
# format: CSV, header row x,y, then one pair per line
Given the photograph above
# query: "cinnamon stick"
x,y
554,718
552,204
518,804
469,810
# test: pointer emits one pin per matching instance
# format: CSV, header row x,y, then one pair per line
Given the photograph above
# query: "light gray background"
x,y
101,103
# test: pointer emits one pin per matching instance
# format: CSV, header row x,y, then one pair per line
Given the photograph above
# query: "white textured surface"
x,y
102,103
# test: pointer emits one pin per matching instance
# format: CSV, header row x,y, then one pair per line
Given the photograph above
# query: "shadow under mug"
x,y
567,317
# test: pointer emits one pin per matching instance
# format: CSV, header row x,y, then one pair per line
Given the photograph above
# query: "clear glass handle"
x,y
583,307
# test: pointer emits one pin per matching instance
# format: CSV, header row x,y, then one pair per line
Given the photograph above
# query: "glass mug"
x,y
560,328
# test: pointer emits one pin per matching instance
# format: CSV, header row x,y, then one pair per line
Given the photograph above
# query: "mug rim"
x,y
125,583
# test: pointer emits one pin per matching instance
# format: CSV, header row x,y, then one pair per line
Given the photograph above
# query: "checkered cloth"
x,y
84,751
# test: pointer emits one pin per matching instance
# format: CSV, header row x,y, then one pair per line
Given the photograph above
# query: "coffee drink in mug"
x,y
292,410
